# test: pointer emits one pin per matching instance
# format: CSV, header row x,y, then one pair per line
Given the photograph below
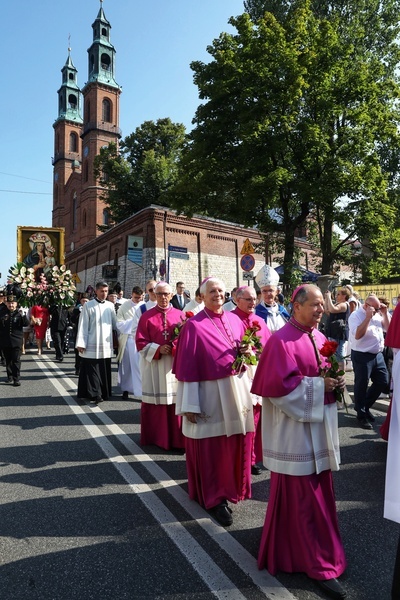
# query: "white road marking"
x,y
216,581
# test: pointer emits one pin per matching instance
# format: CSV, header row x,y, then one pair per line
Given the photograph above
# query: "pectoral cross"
x,y
165,334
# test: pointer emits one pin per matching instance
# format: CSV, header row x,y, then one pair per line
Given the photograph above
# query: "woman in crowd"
x,y
40,321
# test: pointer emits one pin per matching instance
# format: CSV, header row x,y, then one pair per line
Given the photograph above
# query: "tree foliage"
x,y
299,110
142,170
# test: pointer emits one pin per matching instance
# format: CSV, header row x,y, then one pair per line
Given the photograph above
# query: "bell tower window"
x,y
72,101
73,142
105,62
74,211
106,110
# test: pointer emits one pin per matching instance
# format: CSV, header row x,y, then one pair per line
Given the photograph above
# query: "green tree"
x,y
297,110
142,170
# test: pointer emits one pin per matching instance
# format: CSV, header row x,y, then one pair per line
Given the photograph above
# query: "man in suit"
x,y
179,300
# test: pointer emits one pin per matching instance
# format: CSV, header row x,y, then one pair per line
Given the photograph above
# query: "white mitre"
x,y
267,276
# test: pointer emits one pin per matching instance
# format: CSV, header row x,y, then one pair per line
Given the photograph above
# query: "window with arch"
x,y
106,216
72,101
87,111
106,110
104,32
73,142
86,171
84,218
105,62
74,211
91,63
71,76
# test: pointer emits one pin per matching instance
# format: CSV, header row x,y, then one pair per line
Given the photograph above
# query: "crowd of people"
x,y
236,381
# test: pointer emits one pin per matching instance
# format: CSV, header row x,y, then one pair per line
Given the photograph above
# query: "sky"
x,y
155,42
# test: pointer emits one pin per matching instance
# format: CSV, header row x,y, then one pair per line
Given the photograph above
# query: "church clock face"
x,y
86,151
56,177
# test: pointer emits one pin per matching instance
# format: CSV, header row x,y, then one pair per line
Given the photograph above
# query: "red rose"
x,y
256,327
189,314
328,349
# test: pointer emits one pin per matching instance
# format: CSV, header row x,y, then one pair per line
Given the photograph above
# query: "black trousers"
x,y
58,341
13,362
396,576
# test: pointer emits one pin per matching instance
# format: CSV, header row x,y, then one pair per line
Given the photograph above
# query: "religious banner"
x,y
40,248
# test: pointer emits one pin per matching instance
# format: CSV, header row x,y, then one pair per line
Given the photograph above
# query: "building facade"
x,y
153,243
77,202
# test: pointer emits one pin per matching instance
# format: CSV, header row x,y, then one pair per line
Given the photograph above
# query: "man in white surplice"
x,y
128,358
94,342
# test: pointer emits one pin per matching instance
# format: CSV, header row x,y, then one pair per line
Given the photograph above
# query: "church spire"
x,y
102,52
69,93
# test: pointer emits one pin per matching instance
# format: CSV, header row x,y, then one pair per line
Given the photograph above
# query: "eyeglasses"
x,y
162,293
247,299
370,305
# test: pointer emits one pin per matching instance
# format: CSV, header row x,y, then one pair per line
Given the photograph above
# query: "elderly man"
x,y
128,358
94,342
154,340
216,405
246,300
301,449
366,327
274,314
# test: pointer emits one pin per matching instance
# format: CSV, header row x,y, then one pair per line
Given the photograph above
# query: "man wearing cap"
x,y
246,300
154,341
301,449
274,314
216,405
12,323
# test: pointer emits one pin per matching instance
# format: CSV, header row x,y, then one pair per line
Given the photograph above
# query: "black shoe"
x,y
222,514
17,383
9,380
97,400
255,470
77,372
59,359
370,417
332,588
364,423
125,395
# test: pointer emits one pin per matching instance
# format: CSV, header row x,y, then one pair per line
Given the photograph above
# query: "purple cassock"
x,y
300,448
249,319
218,446
159,424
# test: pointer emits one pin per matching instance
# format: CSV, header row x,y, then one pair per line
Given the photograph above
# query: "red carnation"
x,y
328,349
189,314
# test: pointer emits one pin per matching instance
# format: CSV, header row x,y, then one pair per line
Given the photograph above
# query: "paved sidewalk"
x,y
381,404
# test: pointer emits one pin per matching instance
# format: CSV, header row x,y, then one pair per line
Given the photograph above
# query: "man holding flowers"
x,y
301,448
215,402
246,301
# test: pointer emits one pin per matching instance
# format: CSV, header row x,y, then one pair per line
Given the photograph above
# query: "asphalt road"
x,y
85,512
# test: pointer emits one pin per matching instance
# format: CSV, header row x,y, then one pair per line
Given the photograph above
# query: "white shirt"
x,y
372,340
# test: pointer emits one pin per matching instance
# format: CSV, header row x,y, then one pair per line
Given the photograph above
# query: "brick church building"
x,y
153,243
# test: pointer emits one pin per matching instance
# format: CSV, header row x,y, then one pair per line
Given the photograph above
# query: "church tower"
x,y
67,141
77,203
101,124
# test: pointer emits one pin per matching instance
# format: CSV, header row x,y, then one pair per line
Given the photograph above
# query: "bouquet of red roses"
x,y
328,351
249,340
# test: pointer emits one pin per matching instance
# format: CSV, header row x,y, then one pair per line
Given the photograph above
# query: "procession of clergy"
x,y
195,367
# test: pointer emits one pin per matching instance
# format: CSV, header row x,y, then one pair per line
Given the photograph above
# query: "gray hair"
x,y
203,287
